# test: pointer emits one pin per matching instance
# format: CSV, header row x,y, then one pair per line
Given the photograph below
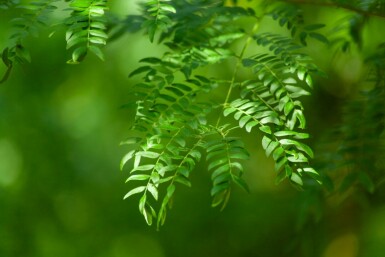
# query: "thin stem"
x,y
237,66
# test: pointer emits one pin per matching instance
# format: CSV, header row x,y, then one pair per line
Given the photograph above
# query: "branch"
x,y
335,5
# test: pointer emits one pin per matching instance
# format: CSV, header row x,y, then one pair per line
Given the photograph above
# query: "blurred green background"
x,y
61,189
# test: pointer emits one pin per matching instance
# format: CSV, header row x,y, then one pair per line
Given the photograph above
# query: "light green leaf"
x,y
220,170
148,154
153,190
296,179
168,8
250,125
144,167
96,50
138,177
126,158
134,191
271,148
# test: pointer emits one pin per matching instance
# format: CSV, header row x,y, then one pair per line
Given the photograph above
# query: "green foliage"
x,y
5,4
157,14
34,15
170,120
291,16
173,130
86,28
360,153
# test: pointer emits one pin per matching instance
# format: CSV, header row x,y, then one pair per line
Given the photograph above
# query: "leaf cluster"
x,y
34,15
171,124
86,28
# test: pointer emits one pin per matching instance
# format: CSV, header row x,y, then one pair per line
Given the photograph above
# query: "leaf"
x,y
313,26
131,140
220,170
148,154
319,37
241,182
168,8
265,129
140,70
219,188
250,125
138,177
151,60
271,148
126,158
79,53
295,134
147,216
278,152
296,179
170,190
183,180
265,142
136,190
97,40
309,81
243,121
144,167
153,190
96,50
228,111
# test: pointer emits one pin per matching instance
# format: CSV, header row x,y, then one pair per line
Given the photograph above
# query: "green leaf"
x,y
241,182
140,70
294,134
265,142
131,141
250,125
148,154
134,191
228,111
128,156
265,129
97,40
96,50
243,121
319,37
220,170
296,179
79,53
153,190
272,146
278,152
138,177
219,188
170,190
313,26
168,8
182,180
144,167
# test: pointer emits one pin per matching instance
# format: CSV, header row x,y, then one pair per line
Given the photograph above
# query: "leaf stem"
x,y
237,66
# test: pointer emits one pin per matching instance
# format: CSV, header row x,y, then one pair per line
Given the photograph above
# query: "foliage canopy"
x,y
175,127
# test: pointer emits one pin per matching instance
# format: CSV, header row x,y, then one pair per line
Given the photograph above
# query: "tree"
x,y
269,47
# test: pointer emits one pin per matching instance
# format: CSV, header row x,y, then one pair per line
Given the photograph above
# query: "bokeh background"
x,y
61,188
